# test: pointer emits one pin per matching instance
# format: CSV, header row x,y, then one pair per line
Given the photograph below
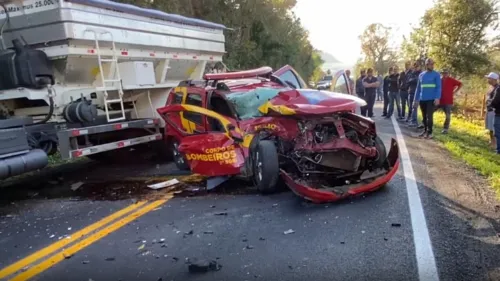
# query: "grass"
x,y
469,142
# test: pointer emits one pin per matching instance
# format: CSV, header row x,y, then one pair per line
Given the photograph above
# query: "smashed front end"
x,y
336,157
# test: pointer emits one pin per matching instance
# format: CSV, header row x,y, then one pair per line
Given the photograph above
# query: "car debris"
x,y
221,214
75,186
290,231
160,185
196,265
110,259
396,225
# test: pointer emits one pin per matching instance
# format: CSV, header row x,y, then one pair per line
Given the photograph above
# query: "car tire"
x,y
178,158
381,153
266,167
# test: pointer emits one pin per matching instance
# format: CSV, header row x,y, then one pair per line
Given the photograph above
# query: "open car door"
x,y
341,83
288,75
217,151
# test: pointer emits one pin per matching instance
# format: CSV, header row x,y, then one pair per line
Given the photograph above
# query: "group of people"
x,y
407,91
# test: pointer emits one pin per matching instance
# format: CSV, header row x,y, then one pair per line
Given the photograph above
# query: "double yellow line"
x,y
84,237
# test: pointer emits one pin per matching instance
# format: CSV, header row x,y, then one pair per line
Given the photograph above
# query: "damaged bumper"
x,y
325,196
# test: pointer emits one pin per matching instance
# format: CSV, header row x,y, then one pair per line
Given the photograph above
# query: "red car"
x,y
268,127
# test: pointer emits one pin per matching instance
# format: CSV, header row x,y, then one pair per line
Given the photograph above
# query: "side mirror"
x,y
230,130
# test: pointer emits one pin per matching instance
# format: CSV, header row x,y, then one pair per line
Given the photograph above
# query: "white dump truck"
x,y
84,77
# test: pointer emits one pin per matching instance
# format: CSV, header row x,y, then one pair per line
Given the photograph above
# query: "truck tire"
x,y
381,153
179,159
266,170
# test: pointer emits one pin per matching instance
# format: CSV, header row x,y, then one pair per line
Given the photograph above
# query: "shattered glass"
x,y
247,104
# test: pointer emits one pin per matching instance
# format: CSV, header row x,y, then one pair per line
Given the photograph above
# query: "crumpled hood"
x,y
307,101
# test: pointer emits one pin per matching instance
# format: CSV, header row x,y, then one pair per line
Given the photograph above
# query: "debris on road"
x,y
76,185
290,231
67,256
110,259
141,247
85,262
249,247
202,266
396,225
262,238
170,183
221,214
208,232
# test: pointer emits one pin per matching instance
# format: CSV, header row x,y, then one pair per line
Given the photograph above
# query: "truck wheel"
x,y
179,159
381,153
266,167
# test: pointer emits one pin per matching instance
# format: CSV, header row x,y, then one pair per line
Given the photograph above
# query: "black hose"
x,y
49,115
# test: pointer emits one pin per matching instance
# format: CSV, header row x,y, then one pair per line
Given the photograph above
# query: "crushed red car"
x,y
268,127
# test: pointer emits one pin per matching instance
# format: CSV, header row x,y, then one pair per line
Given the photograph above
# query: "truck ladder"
x,y
113,75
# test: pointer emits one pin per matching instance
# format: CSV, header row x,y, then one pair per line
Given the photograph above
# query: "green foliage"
x,y
264,32
376,49
453,33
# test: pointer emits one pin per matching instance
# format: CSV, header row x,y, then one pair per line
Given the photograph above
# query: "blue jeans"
x,y
404,103
414,117
497,132
394,97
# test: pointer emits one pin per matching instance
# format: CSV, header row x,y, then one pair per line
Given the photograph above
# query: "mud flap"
x,y
324,196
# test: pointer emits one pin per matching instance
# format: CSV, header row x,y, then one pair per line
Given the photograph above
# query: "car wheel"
x,y
381,153
179,159
266,167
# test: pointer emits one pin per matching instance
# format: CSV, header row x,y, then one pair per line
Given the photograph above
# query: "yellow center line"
x,y
55,259
13,268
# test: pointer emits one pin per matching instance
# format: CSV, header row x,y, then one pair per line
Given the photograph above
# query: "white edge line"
x,y
426,263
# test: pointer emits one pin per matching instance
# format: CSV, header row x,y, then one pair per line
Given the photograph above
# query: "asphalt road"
x,y
379,236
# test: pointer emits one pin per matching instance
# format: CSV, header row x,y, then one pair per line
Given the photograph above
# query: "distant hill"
x,y
332,63
329,58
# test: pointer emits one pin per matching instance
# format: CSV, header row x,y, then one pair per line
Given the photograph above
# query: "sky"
x,y
334,25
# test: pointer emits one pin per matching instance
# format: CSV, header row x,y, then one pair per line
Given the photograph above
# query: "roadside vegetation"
x,y
468,141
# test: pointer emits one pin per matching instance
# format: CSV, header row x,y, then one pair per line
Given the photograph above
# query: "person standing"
x,y
360,89
351,83
491,112
450,86
385,89
380,89
371,84
428,95
412,86
403,89
394,96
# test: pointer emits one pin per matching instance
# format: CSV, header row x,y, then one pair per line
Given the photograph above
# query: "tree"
x,y
453,33
416,46
377,52
263,32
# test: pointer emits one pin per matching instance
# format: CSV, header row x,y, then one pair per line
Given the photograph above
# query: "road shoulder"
x,y
461,210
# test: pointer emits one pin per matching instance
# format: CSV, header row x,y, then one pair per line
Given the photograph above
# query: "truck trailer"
x,y
85,77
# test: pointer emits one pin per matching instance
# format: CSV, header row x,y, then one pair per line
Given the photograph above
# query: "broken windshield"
x,y
247,104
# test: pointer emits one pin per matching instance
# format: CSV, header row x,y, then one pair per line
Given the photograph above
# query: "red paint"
x,y
124,53
307,105
322,196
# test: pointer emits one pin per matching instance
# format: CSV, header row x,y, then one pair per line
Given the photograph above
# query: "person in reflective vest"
x,y
427,96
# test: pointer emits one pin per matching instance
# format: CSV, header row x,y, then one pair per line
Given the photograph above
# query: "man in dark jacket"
x,y
394,96
386,92
371,85
360,89
494,105
412,86
403,89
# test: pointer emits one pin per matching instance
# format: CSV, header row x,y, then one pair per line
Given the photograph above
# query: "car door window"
x,y
177,99
341,85
194,99
291,78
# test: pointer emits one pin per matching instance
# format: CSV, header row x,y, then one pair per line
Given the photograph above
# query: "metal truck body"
x,y
112,66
